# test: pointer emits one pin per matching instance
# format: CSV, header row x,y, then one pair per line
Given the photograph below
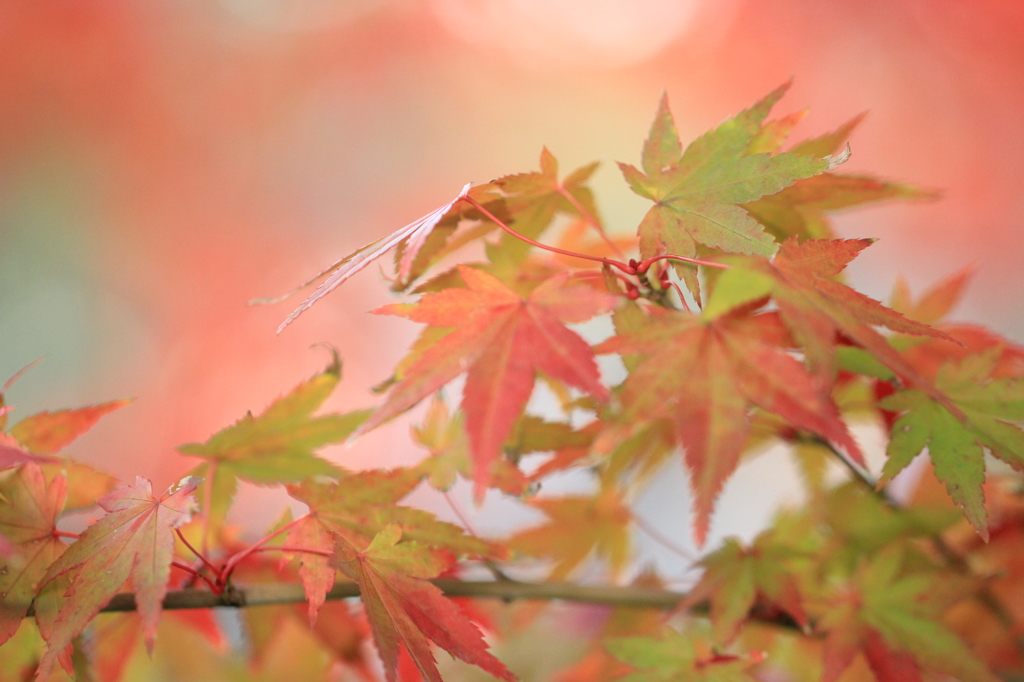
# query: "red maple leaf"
x,y
705,375
501,340
404,609
356,508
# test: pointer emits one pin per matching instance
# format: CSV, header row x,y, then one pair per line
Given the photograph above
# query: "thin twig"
x,y
217,589
554,249
225,573
661,539
211,473
200,555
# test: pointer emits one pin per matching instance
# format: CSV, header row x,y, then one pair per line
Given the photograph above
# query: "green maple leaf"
x,y
736,577
405,610
957,443
698,193
673,657
801,209
28,514
278,445
893,619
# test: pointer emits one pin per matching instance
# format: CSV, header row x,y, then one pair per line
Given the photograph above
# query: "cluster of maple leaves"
x,y
735,329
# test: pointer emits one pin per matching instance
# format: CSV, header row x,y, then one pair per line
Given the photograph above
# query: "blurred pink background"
x,y
163,162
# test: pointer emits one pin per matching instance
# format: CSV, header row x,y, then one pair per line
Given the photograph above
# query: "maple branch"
x,y
262,594
265,594
554,249
859,472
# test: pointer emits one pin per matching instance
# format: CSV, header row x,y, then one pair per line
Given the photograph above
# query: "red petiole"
x,y
229,566
206,562
633,267
215,588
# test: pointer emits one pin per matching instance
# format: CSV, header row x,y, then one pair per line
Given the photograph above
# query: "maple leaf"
x,y
862,523
774,133
674,657
737,577
956,443
405,610
28,515
413,235
705,374
134,540
85,484
817,308
893,620
278,445
934,304
444,434
800,209
47,433
534,198
356,507
12,454
501,340
579,525
698,192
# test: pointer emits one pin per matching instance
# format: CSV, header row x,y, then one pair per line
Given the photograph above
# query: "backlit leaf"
x,y
406,611
990,409
47,433
578,526
698,193
28,515
134,540
502,340
705,375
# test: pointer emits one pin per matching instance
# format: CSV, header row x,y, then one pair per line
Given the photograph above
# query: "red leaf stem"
x,y
554,249
200,555
233,561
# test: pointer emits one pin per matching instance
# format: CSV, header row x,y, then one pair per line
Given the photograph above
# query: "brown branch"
x,y
261,594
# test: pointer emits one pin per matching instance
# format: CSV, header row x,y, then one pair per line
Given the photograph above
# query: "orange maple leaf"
x,y
501,340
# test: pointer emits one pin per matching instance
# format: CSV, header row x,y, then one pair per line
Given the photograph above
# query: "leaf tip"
x,y
834,161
